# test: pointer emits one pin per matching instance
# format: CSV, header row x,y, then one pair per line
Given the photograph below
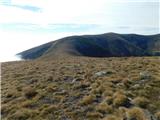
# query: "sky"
x,y
27,23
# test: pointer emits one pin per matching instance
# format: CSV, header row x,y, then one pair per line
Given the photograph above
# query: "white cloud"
x,y
79,12
13,14
57,11
13,42
108,14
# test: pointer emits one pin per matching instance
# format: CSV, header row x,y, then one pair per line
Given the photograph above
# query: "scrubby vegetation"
x,y
135,114
158,115
81,88
141,102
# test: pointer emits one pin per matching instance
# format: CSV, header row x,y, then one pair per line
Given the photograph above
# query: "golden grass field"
x,y
81,88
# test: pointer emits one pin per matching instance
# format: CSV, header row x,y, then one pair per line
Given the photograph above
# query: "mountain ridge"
x,y
102,45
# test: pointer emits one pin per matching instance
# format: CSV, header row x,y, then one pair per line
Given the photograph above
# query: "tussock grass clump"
x,y
51,88
49,78
23,114
104,108
109,100
10,95
107,92
158,115
87,100
135,113
48,110
127,83
30,92
60,89
141,102
29,104
6,108
19,88
120,100
98,90
94,85
112,117
94,115
82,85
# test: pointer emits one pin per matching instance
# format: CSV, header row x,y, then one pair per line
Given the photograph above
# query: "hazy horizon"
x,y
26,24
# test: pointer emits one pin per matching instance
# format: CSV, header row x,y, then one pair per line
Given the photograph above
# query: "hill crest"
x,y
103,45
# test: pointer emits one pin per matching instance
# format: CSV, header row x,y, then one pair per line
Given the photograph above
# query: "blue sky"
x,y
27,23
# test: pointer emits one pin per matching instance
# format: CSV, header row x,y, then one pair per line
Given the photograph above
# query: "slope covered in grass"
x,y
82,88
104,45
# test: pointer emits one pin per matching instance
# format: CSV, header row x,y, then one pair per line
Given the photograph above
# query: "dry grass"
x,y
29,92
141,102
87,100
135,114
158,115
104,108
68,88
94,115
120,100
22,114
112,117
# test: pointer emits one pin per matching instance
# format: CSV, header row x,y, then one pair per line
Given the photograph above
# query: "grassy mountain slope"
x,y
104,45
36,51
81,88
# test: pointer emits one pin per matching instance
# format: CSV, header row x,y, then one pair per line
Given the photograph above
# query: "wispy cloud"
x,y
5,2
80,12
27,7
77,28
9,3
24,27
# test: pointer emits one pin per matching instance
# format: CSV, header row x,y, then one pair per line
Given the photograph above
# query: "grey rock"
x,y
63,92
31,81
76,80
144,75
149,115
102,73
136,86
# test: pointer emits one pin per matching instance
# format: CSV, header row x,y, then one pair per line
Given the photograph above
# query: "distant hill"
x,y
104,45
